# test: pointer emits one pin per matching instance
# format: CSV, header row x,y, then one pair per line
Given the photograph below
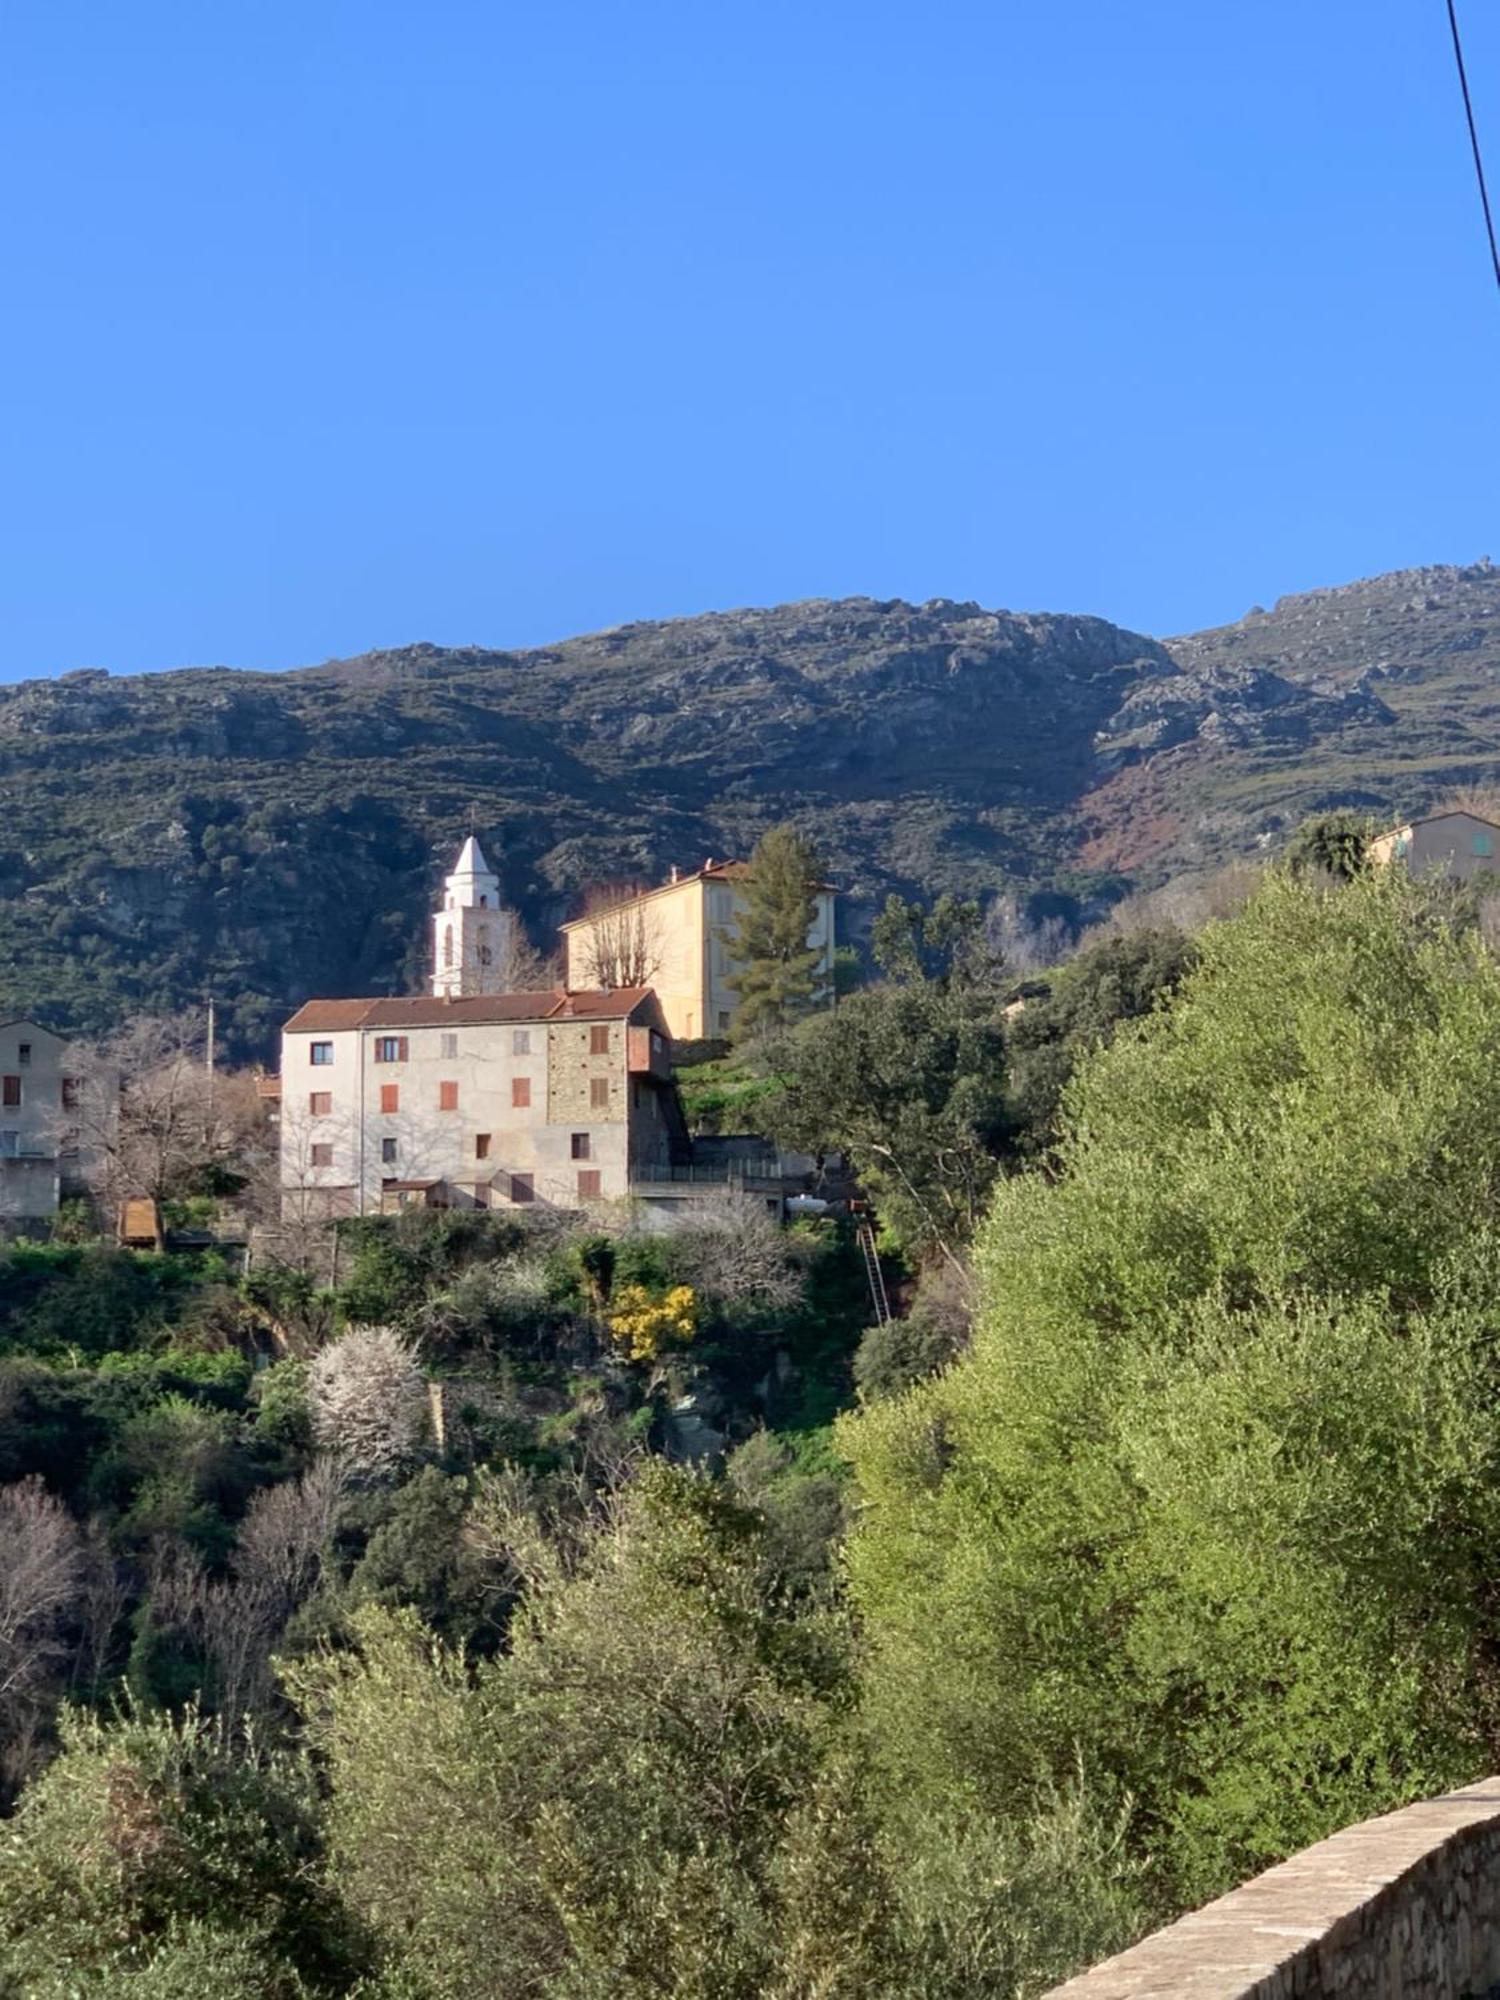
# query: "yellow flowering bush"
x,y
644,1325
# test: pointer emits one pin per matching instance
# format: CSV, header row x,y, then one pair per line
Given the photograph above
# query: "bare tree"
x,y
519,967
495,955
1022,942
103,1596
622,946
369,1400
238,1621
145,1111
40,1579
730,1249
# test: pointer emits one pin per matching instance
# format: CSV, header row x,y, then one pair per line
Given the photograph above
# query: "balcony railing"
x,y
711,1173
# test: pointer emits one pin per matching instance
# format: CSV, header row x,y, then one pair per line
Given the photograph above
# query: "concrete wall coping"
x,y
1299,1928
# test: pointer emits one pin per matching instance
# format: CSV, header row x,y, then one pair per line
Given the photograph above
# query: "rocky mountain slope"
x,y
268,836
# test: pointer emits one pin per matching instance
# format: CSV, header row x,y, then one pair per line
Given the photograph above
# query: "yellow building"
x,y
670,938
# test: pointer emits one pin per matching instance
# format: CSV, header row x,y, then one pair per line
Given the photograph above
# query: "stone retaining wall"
x,y
1401,1908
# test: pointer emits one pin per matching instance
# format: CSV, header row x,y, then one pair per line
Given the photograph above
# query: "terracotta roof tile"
x,y
327,1017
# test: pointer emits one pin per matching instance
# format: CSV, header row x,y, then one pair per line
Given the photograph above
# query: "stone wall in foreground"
x,y
1401,1908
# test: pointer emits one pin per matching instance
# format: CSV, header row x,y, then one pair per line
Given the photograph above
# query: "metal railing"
x,y
710,1173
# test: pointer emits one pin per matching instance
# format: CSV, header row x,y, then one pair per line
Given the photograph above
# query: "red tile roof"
x,y
328,1017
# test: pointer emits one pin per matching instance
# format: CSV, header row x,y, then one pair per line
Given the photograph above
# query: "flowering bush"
x,y
644,1325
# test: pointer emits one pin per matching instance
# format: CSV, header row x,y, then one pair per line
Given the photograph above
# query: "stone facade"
x,y
1401,1908
506,1100
677,933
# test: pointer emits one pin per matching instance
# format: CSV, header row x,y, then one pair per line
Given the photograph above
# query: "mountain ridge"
x,y
273,834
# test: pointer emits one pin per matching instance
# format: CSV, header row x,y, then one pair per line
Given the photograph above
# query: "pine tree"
x,y
779,976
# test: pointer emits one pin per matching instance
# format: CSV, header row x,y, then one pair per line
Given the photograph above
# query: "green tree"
x,y
779,977
1088,1000
600,1807
907,1079
149,1838
1212,1500
1336,844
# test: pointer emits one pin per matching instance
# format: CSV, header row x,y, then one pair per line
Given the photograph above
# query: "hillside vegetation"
x,y
376,1638
274,836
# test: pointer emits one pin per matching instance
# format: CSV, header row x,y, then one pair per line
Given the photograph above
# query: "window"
x,y
447,1097
1484,847
10,1145
520,1041
598,1093
388,1152
70,1093
320,1054
486,956
588,1183
390,1097
520,1093
481,1145
723,1021
449,1045
448,945
320,1103
322,1156
11,1091
581,1149
23,1053
522,1187
598,1041
391,1048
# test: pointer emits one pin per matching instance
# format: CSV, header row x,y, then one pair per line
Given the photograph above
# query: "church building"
x,y
471,1097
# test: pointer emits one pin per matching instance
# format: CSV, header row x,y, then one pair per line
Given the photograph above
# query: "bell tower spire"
x,y
470,931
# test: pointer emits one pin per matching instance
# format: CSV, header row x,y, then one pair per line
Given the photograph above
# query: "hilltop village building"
x,y
470,1098
673,939
1456,843
39,1147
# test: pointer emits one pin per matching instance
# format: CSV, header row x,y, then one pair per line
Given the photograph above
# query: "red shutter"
x,y
405,1047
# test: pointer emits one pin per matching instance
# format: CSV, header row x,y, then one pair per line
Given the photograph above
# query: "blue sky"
x,y
328,326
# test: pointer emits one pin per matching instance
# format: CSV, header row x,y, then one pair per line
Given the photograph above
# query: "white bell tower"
x,y
470,932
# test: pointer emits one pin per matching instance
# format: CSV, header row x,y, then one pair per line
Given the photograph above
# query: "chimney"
x,y
673,876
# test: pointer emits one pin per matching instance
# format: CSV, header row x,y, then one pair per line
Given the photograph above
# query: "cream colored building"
x,y
491,1101
1455,843
470,1097
39,1146
671,938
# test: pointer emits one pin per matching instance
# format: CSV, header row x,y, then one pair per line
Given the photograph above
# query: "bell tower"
x,y
470,932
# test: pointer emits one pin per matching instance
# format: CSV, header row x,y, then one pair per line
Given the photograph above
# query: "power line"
x,y
1484,193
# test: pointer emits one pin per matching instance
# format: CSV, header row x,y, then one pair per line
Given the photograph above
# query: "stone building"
x,y
672,938
39,1147
470,1097
499,1100
1460,844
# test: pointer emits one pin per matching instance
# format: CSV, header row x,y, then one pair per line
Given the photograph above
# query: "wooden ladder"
x,y
873,1272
